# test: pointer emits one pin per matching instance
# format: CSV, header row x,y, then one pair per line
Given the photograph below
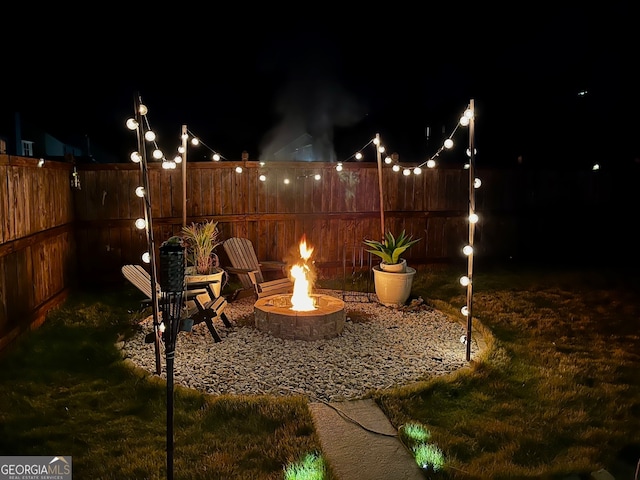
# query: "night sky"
x,y
255,82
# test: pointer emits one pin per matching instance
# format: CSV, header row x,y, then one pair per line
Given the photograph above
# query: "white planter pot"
x,y
393,288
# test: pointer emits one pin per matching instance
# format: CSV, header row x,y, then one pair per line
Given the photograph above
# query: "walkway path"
x,y
360,443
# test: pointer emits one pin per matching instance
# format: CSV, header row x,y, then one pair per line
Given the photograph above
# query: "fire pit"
x,y
302,315
274,315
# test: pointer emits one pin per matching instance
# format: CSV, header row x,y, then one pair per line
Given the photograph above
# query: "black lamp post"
x,y
172,284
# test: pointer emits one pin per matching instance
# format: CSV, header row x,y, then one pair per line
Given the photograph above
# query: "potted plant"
x,y
392,278
201,240
390,249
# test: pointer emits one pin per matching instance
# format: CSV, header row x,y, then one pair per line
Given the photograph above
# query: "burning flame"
x,y
301,300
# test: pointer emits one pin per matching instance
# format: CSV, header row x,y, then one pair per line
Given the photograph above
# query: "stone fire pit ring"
x,y
273,315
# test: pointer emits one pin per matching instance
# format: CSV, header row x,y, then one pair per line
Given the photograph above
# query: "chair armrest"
x,y
200,285
239,270
196,289
272,265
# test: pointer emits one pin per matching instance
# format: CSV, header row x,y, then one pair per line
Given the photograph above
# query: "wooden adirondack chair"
x,y
249,270
201,303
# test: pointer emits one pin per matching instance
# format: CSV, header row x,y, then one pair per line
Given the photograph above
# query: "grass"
x,y
66,391
556,391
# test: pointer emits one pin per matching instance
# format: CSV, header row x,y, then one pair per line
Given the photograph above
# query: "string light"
x,y
196,142
448,144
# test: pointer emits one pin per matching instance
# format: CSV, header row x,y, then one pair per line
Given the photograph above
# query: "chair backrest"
x,y
139,277
242,255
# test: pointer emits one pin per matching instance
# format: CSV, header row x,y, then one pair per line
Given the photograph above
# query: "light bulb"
x,y
317,176
473,218
238,169
465,311
477,183
181,149
132,124
381,149
286,181
157,154
417,171
358,156
135,157
146,258
140,191
448,143
406,172
464,121
396,168
467,250
195,141
141,223
215,157
431,163
262,177
142,109
177,159
149,136
464,280
387,160
339,167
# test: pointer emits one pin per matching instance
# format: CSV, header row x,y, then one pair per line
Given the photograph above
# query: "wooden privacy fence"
x,y
523,213
36,242
335,211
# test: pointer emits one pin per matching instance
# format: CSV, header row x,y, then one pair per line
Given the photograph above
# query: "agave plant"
x,y
390,249
201,239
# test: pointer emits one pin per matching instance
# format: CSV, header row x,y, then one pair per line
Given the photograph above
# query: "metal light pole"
x,y
144,173
472,226
184,138
379,157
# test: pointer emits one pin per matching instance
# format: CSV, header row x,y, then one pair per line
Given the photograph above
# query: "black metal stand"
x,y
172,258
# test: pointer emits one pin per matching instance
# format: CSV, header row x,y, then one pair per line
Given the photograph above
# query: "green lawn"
x,y
556,391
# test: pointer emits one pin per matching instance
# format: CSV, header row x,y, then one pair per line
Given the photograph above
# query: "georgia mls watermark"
x,y
35,468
